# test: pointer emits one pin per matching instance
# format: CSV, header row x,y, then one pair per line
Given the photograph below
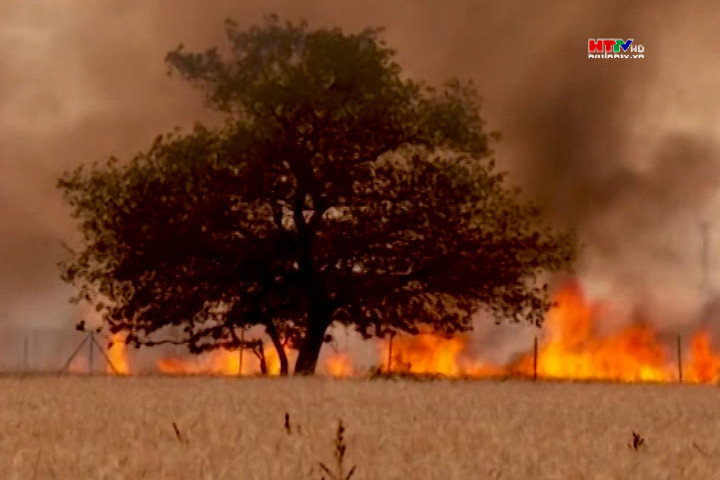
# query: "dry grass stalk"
x,y
340,449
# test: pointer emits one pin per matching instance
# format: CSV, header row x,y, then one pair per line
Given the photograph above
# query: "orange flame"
x,y
223,362
571,349
216,362
339,365
704,365
117,353
427,353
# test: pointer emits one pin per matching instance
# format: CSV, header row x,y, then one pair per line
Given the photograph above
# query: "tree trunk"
x,y
272,333
310,348
261,356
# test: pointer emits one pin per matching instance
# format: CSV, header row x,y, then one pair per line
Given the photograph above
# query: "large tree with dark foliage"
x,y
337,191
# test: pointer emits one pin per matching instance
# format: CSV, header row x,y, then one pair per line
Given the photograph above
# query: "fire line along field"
x,y
440,414
345,240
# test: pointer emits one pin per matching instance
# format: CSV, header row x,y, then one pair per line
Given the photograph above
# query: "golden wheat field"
x,y
122,428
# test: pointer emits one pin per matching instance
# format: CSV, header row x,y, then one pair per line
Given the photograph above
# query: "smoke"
x,y
625,152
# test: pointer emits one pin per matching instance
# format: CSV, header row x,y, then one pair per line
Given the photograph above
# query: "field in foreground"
x,y
110,428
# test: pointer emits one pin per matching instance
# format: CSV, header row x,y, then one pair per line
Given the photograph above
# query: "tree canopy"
x,y
337,191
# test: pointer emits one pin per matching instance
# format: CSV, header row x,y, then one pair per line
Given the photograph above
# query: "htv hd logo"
x,y
613,45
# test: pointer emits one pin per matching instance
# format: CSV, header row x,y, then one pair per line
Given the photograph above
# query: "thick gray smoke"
x,y
623,151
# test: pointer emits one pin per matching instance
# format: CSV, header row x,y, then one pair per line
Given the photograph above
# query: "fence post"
x,y
90,352
26,366
242,345
679,360
535,352
390,345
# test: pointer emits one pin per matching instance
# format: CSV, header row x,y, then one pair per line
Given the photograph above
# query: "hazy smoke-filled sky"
x,y
626,152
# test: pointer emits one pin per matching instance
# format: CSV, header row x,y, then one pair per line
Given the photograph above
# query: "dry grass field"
x,y
122,428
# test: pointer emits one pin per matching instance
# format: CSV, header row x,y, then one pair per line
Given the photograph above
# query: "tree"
x,y
337,191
